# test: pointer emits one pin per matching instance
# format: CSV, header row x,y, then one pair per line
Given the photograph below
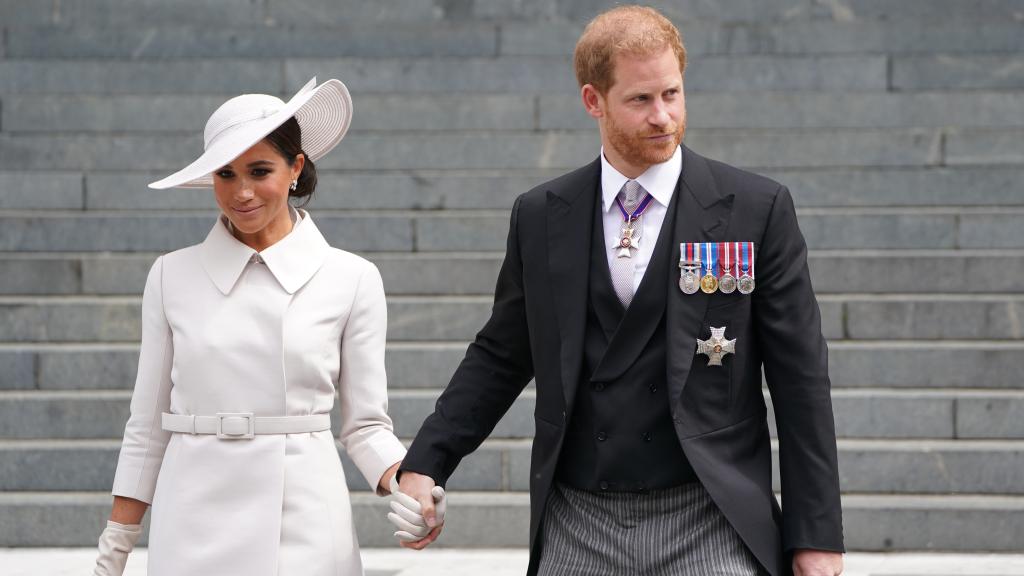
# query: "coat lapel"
x,y
570,213
702,215
601,293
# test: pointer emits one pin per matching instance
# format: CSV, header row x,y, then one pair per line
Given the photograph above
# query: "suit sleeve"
x,y
788,327
496,368
366,429
142,450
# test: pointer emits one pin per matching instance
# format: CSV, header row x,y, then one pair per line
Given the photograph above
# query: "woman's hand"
x,y
417,510
116,543
384,486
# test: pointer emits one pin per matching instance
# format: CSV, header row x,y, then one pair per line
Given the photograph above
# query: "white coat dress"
x,y
225,332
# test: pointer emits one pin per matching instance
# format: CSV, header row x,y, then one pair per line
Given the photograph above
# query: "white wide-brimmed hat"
x,y
324,113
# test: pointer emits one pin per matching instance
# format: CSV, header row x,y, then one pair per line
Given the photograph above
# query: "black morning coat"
x,y
536,331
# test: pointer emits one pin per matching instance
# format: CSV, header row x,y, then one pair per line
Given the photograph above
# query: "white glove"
x,y
406,513
116,542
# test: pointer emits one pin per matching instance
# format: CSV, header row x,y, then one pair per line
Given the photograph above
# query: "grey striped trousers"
x,y
673,532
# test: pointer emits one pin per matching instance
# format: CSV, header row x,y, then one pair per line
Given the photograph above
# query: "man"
x,y
652,451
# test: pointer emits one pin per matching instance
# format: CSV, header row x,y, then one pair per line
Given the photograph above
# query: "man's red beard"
x,y
637,150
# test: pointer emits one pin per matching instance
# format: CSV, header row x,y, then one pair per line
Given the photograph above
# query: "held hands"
x,y
116,542
418,508
817,563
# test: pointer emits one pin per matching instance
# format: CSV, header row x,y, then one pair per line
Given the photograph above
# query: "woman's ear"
x,y
298,165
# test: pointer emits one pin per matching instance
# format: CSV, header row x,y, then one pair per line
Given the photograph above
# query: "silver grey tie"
x,y
622,268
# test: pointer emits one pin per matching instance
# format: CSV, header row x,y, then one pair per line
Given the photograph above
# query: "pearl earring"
x,y
294,186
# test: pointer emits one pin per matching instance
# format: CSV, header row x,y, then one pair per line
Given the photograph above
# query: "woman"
x,y
245,338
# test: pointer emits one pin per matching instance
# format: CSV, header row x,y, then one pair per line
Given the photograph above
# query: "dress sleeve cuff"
x,y
375,456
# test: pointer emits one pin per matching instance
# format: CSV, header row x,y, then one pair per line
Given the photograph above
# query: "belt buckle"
x,y
250,432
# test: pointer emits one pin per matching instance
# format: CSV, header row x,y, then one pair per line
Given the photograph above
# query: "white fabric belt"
x,y
243,425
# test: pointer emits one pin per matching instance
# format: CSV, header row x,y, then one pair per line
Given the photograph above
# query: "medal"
x,y
746,281
627,241
716,347
688,281
632,228
727,283
708,284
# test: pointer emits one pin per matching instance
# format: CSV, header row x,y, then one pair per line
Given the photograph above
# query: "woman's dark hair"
x,y
287,138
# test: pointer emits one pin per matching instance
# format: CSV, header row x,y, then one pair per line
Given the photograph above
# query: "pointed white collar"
x,y
293,260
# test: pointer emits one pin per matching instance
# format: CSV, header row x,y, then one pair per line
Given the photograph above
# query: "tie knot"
x,y
632,191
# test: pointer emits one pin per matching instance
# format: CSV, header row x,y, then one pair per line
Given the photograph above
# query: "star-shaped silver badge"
x,y
716,346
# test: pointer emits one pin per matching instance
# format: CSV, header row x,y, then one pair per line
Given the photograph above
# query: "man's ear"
x,y
593,101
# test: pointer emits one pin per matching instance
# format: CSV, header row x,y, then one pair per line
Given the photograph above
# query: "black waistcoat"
x,y
621,436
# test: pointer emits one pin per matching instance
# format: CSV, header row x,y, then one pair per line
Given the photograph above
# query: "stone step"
x,y
59,114
516,74
429,365
859,413
179,113
912,12
128,13
844,317
168,41
496,190
416,231
865,466
459,273
755,149
871,522
957,71
796,37
173,41
973,147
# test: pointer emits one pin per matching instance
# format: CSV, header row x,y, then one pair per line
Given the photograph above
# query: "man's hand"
x,y
430,501
817,563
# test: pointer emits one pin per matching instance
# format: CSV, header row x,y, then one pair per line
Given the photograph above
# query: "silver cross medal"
x,y
629,239
716,346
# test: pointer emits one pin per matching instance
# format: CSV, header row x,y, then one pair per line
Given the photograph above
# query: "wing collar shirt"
x,y
660,182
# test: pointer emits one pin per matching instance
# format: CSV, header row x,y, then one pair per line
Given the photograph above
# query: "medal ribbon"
x,y
710,253
736,260
725,258
626,216
748,258
751,259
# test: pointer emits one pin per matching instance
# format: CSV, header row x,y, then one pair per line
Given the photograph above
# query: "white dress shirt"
x,y
660,182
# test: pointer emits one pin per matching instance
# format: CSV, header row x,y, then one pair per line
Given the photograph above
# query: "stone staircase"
x,y
898,126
